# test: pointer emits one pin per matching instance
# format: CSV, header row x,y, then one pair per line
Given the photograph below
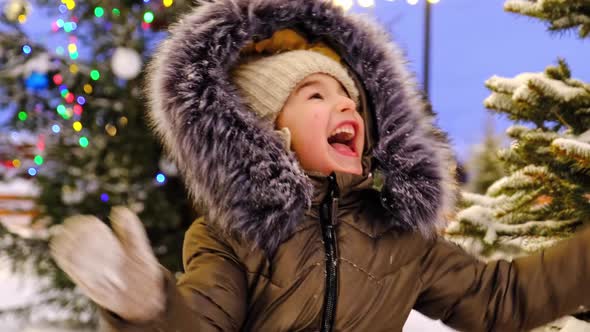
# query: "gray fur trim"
x,y
237,166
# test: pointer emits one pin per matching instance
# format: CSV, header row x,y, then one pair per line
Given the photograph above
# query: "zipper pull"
x,y
335,196
334,210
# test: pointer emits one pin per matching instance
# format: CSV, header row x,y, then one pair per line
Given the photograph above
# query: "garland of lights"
x,y
72,106
347,4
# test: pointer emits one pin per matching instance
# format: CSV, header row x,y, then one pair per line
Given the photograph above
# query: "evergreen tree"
x,y
83,103
545,196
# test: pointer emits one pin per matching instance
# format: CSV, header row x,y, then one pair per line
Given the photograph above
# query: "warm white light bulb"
x,y
366,3
413,2
345,4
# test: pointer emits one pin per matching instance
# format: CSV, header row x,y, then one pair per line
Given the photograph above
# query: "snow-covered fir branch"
x,y
575,149
499,101
569,21
486,200
484,218
522,178
560,14
526,87
524,7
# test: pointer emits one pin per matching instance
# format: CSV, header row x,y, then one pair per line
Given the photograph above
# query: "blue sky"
x,y
471,41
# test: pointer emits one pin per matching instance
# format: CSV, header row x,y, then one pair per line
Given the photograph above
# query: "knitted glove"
x,y
116,269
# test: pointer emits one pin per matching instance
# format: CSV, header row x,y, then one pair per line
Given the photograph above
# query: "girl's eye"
x,y
316,95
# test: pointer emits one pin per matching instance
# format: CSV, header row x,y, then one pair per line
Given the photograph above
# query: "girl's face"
x,y
327,133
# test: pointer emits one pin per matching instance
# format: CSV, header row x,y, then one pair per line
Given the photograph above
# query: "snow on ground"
x,y
15,291
420,323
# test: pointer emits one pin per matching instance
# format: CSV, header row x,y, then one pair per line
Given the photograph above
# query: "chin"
x,y
356,170
337,163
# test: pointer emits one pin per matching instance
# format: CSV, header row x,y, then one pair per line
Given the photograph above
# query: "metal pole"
x,y
426,55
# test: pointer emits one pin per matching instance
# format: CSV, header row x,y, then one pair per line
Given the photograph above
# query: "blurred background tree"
x,y
545,196
81,107
485,167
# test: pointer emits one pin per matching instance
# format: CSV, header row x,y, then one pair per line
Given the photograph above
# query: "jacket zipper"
x,y
328,215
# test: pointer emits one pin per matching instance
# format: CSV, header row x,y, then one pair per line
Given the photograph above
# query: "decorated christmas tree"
x,y
545,197
82,105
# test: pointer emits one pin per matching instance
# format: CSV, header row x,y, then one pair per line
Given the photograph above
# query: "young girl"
x,y
303,134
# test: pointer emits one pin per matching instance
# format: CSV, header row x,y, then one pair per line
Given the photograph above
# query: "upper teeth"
x,y
349,129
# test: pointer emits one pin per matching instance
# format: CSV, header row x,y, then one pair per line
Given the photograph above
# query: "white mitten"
x,y
116,269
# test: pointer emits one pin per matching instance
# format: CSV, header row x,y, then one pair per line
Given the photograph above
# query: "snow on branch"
x,y
484,219
557,90
525,177
560,14
499,101
575,149
526,87
523,7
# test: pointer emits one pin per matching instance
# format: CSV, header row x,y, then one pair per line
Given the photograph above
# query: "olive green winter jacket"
x,y
382,274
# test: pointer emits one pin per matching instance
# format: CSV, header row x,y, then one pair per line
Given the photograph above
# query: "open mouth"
x,y
342,139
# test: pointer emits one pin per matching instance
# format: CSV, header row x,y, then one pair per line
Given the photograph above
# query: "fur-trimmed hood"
x,y
238,168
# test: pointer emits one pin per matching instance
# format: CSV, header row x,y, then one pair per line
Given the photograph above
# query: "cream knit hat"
x,y
266,82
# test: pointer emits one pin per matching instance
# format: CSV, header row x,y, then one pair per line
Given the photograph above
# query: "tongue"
x,y
343,148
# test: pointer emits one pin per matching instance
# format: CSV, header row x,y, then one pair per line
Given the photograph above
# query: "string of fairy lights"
x,y
71,106
348,4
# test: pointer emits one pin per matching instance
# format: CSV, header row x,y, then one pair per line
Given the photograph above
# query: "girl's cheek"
x,y
316,114
320,111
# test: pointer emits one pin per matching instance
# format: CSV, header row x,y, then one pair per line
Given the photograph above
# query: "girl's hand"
x,y
116,269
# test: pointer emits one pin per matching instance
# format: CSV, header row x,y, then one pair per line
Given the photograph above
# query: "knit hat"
x,y
267,81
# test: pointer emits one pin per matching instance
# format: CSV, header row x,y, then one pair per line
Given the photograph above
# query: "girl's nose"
x,y
346,104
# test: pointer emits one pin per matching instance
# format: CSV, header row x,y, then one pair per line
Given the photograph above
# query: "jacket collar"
x,y
349,185
358,201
